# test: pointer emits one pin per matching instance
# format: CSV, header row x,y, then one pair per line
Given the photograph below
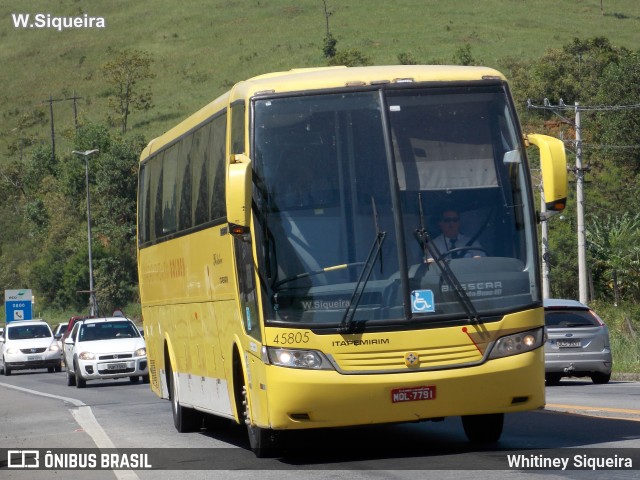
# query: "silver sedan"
x,y
577,342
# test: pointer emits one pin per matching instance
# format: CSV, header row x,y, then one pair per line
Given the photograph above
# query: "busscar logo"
x,y
23,459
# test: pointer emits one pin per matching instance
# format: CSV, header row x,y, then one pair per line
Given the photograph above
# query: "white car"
x,y
59,331
103,348
29,344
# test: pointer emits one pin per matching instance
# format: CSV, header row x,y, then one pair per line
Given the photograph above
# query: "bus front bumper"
x,y
301,399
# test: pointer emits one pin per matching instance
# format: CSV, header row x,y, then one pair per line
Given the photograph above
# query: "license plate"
x,y
569,343
34,358
116,366
413,394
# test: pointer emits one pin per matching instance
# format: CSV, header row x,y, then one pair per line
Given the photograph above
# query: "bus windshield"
x,y
363,199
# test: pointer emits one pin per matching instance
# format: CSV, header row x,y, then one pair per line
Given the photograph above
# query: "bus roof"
x,y
310,79
306,79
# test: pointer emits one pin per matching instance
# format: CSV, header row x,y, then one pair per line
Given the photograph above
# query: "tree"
x,y
594,73
614,244
572,73
329,44
125,72
351,57
54,232
463,56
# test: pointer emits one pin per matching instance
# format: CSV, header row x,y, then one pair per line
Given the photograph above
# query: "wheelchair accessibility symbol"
x,y
422,301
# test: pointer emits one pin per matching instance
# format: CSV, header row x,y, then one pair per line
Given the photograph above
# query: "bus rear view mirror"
x,y
553,163
239,194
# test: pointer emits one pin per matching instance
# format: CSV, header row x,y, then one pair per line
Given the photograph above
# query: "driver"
x,y
451,239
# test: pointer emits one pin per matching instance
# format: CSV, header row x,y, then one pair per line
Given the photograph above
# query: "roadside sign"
x,y
17,305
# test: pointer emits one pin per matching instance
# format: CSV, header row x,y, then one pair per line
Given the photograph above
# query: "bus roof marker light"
x,y
356,83
238,229
403,80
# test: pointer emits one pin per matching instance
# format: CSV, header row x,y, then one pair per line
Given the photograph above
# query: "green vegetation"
x,y
184,57
624,329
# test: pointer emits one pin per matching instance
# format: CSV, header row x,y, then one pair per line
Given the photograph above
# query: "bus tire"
x,y
184,419
483,428
552,379
264,442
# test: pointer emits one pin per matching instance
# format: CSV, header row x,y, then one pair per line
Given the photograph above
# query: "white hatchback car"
x,y
103,348
29,344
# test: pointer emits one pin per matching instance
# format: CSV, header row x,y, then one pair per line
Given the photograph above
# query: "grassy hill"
x,y
202,47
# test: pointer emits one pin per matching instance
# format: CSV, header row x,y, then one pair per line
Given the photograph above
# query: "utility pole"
x,y
579,171
53,131
544,225
75,109
75,117
93,307
582,239
584,275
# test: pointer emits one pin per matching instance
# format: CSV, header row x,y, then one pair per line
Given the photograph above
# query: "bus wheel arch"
x,y
264,442
184,419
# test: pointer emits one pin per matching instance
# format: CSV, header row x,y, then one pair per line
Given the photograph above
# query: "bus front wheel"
x,y
264,442
483,428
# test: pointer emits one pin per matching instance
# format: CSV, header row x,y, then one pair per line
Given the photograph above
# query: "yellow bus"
x,y
291,273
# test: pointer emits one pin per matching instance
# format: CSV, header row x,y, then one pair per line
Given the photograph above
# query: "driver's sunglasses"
x,y
450,219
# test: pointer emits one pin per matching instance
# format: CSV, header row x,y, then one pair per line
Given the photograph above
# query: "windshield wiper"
x,y
430,248
312,273
346,325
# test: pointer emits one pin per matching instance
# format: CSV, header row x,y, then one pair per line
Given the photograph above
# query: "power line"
x,y
579,172
51,101
583,108
596,146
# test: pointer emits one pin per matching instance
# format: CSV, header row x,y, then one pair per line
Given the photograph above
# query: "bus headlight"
x,y
307,359
518,343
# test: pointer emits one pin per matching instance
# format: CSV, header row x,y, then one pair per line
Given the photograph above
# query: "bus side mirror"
x,y
553,163
239,194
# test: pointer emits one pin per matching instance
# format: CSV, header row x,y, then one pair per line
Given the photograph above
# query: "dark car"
x,y
67,331
577,344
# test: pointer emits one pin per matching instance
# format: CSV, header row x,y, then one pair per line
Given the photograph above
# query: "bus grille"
x,y
394,360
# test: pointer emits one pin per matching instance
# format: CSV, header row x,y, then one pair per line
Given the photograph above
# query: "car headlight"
x,y
54,347
141,352
292,358
518,343
13,350
87,356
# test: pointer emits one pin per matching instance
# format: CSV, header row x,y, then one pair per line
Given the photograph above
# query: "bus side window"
x,y
216,168
237,128
184,183
200,181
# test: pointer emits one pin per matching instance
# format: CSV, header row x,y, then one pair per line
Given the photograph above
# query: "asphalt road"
x,y
38,411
